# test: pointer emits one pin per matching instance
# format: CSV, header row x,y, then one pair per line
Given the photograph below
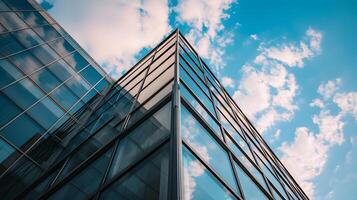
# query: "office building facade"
x,y
167,129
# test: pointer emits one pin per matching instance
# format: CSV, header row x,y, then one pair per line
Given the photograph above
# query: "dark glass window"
x,y
24,93
47,32
142,139
199,183
27,37
11,21
250,189
91,75
78,85
26,62
62,70
148,181
32,18
44,54
45,113
22,132
61,46
5,151
103,84
8,109
201,110
206,146
45,79
8,73
76,61
64,96
9,45
19,4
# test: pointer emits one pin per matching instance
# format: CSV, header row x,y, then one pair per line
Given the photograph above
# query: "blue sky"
x,y
290,65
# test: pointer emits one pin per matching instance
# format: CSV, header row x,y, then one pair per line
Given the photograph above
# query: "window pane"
x,y
5,151
91,75
8,109
32,18
44,54
47,32
8,73
18,5
62,70
27,37
9,45
23,93
26,62
45,79
142,139
22,132
206,146
199,183
78,85
197,106
61,46
148,181
250,189
76,61
64,96
45,113
11,21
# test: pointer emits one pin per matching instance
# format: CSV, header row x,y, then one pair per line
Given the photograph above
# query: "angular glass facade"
x,y
47,85
167,129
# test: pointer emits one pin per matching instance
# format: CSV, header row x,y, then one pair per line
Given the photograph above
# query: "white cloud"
x,y
267,89
347,102
307,155
227,82
317,103
329,88
293,55
254,37
112,31
205,21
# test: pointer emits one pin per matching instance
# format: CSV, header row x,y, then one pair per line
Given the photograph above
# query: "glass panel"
x,y
168,58
148,181
250,189
158,70
5,151
18,4
91,75
198,182
45,113
22,132
76,61
47,32
9,45
19,177
197,106
27,37
62,70
32,18
11,21
26,62
142,139
62,47
44,54
206,146
45,79
64,96
23,93
88,180
78,85
196,90
199,80
8,73
8,109
102,85
69,190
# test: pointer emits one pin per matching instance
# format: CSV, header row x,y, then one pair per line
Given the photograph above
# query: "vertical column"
x,y
175,177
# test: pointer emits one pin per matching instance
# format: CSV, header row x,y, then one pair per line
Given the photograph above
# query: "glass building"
x,y
167,129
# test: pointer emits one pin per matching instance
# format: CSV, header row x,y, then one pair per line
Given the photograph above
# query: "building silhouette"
x,y
167,129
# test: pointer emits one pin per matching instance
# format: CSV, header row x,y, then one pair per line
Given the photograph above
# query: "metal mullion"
x,y
195,82
210,169
132,166
30,27
199,102
194,71
252,177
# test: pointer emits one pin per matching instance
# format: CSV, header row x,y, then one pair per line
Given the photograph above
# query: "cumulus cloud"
x,y
227,82
329,88
267,89
307,154
113,31
205,19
